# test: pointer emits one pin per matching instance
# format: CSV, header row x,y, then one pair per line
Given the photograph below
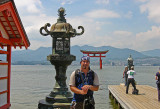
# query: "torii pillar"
x,y
95,54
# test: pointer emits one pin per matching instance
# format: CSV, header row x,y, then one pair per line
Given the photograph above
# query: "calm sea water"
x,y
29,84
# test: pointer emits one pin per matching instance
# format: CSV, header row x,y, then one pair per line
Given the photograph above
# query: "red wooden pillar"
x,y
100,62
9,71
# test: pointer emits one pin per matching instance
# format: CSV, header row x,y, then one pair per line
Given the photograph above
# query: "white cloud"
x,y
129,14
33,22
119,38
102,1
32,9
29,6
141,0
103,13
153,9
122,33
90,36
106,2
33,26
63,2
122,39
118,1
32,29
93,28
142,41
147,40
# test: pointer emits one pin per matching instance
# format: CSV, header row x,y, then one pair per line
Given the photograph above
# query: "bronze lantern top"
x,y
61,27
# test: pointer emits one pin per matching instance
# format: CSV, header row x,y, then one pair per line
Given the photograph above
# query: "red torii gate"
x,y
93,54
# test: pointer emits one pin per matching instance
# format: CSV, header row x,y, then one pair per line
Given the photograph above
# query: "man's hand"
x,y
78,91
83,92
86,87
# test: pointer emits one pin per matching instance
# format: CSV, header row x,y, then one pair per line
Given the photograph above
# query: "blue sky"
x,y
133,24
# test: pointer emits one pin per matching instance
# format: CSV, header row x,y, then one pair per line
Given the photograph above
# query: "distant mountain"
x,y
153,53
115,55
41,53
31,55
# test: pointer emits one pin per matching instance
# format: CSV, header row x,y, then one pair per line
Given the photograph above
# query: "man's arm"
x,y
93,88
156,77
73,87
78,91
123,74
84,89
90,87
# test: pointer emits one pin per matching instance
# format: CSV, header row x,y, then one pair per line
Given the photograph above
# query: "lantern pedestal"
x,y
60,96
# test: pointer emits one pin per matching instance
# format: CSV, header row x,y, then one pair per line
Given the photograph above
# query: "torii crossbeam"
x,y
94,54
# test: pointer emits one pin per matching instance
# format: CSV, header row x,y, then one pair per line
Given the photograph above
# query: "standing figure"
x,y
125,75
131,80
157,77
83,82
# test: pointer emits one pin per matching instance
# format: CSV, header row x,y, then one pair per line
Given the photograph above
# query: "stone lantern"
x,y
61,32
130,62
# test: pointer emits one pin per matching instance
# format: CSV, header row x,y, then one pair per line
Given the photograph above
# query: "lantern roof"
x,y
62,25
12,31
61,28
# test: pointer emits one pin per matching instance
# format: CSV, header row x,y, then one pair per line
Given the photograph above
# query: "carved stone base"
x,y
43,104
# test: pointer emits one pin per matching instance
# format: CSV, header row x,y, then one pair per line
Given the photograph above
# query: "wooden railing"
x,y
4,81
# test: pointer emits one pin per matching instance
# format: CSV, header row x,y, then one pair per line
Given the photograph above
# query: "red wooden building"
x,y
12,34
95,54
